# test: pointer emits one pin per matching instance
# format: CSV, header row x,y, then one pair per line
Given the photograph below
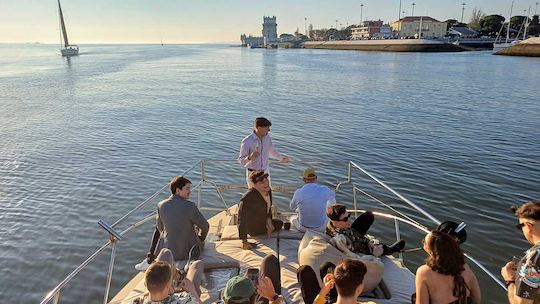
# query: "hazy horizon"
x,y
222,21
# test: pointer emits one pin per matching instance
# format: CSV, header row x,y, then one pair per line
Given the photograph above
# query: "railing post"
x,y
349,173
109,274
56,298
203,179
354,201
398,238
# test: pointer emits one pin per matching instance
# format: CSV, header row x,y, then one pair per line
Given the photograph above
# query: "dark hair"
x,y
348,275
335,211
450,228
447,258
179,182
157,276
262,122
257,176
529,210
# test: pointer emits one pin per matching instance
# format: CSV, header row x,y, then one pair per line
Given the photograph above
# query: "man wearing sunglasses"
x,y
255,210
523,277
351,237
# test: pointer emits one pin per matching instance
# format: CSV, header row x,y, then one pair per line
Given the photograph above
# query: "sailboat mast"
x,y
507,28
63,25
526,24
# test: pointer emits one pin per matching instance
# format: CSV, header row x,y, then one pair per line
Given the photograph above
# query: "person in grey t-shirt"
x,y
176,220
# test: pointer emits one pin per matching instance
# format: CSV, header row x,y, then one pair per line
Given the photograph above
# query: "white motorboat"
x,y
66,49
223,258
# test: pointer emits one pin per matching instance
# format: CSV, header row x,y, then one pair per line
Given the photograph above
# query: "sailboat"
x,y
499,45
67,49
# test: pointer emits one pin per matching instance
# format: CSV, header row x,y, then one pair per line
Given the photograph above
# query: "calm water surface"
x,y
88,138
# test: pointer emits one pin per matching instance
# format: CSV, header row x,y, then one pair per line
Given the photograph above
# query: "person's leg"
x,y
396,247
165,255
195,274
363,222
270,269
152,252
296,224
309,285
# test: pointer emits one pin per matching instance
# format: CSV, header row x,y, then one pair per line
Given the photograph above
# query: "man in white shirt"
x,y
310,203
257,148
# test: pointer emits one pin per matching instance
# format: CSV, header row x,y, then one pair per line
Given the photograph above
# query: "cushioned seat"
x,y
231,233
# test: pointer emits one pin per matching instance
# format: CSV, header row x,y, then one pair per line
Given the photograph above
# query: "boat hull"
x,y
527,48
70,51
386,45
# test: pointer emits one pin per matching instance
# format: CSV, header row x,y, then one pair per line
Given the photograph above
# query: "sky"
x,y
207,21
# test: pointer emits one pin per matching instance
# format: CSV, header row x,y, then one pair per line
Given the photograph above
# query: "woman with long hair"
x,y
445,278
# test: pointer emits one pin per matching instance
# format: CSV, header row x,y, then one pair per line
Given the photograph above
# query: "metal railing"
x,y
115,237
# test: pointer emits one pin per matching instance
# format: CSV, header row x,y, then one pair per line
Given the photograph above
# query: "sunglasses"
x,y
520,225
345,219
261,178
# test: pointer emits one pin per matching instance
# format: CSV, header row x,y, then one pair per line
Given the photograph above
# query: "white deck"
x,y
227,252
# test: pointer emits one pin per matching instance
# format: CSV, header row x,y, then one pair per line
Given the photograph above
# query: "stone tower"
x,y
269,31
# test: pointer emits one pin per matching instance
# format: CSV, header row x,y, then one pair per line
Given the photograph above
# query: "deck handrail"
x,y
54,294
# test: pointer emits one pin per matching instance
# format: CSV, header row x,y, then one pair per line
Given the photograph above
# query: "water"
x,y
89,137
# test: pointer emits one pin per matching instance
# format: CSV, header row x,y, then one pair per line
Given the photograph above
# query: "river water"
x,y
90,137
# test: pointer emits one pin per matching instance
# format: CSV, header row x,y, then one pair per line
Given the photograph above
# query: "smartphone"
x,y
253,275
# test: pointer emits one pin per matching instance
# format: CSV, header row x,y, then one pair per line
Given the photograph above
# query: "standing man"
x,y
310,203
257,148
523,278
176,220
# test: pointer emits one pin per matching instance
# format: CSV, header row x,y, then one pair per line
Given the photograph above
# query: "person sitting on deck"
x,y
351,238
176,220
266,289
158,279
445,278
254,211
348,278
310,203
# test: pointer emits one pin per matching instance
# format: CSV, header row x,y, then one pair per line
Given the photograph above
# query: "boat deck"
x,y
222,251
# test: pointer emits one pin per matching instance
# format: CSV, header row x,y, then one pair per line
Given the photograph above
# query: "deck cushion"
x,y
319,251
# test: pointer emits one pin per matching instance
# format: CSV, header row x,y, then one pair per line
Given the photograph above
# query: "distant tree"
x,y
518,22
534,28
476,16
331,34
490,25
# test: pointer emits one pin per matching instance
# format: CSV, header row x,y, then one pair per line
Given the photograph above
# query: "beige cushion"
x,y
308,236
318,251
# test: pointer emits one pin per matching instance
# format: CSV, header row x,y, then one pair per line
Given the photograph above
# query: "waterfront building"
x,y
371,29
269,30
410,27
251,40
269,34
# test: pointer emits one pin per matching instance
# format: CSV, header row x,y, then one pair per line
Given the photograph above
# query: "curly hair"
x,y
447,258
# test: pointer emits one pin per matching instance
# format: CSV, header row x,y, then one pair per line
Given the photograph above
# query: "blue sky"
x,y
180,21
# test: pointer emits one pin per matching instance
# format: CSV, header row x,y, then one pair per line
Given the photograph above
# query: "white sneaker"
x,y
142,266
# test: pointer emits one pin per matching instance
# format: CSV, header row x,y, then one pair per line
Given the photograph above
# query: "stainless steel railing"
x,y
114,236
